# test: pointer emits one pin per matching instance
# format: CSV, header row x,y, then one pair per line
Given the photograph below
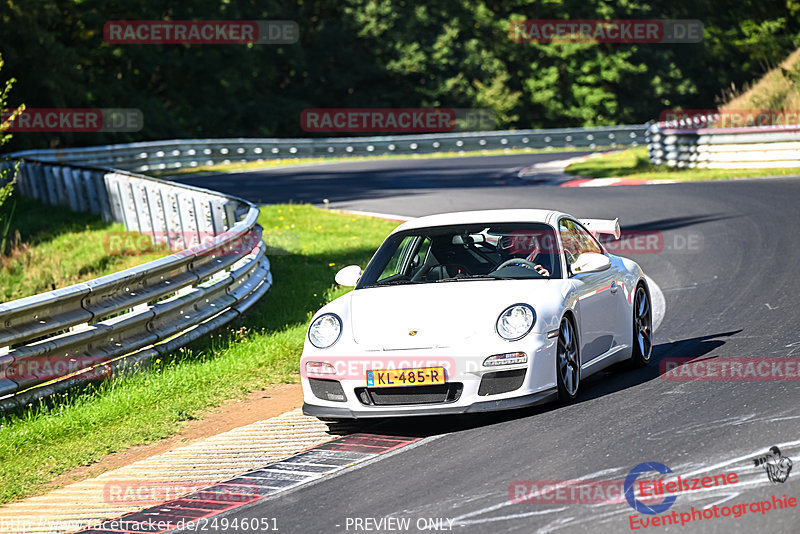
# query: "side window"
x,y
419,257
570,240
576,240
395,265
407,258
588,242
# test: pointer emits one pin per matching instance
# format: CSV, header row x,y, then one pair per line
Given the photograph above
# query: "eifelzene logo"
x,y
775,464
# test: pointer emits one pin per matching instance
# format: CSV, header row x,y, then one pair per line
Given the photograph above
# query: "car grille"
x,y
327,389
501,382
435,394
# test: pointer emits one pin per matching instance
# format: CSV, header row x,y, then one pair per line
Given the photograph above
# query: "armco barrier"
x,y
179,153
109,323
691,143
54,340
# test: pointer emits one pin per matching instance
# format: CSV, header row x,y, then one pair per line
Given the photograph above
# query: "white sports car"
x,y
476,311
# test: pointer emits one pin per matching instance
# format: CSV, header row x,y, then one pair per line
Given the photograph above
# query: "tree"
x,y
8,172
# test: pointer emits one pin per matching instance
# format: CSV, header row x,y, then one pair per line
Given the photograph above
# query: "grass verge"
x,y
778,89
55,247
308,246
634,164
287,162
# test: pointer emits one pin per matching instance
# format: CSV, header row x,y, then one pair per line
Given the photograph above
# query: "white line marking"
x,y
748,456
376,214
722,500
508,502
457,521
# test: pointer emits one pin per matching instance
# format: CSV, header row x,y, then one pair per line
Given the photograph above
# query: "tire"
x,y
568,361
642,340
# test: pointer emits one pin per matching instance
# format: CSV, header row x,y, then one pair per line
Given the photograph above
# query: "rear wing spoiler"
x,y
602,226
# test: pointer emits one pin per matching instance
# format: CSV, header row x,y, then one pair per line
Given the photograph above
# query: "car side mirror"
x,y
590,262
348,276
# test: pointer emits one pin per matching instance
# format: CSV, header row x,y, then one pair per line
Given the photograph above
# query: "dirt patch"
x,y
257,406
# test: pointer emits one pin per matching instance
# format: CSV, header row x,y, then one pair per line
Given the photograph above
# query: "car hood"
x,y
439,314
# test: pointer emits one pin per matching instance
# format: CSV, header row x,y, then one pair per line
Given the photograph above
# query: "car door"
x,y
597,293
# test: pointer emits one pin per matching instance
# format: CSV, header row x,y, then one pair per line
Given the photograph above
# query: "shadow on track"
x,y
673,223
352,181
611,380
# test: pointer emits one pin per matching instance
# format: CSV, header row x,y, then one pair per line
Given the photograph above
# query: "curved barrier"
x,y
179,153
54,340
693,144
51,341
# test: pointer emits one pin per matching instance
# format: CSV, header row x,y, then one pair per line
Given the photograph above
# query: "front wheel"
x,y
568,361
642,328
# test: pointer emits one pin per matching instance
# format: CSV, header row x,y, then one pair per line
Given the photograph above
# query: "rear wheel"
x,y
642,328
568,361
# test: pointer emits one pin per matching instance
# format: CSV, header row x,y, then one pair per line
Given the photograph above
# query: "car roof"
x,y
482,216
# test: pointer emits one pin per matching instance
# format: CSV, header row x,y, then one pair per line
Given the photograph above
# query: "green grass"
x,y
287,162
634,164
54,247
78,428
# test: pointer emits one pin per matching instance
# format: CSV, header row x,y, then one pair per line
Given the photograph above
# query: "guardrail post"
x,y
53,180
69,188
40,190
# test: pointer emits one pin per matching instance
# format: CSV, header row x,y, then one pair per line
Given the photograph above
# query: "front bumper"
x,y
337,412
349,402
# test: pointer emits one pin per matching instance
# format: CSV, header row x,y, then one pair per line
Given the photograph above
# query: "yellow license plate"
x,y
426,376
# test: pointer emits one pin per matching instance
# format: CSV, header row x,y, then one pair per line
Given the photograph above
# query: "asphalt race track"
x,y
728,265
364,183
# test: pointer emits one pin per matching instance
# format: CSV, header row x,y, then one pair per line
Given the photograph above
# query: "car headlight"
x,y
325,330
515,322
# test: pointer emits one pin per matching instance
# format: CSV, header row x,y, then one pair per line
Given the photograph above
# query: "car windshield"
x,y
499,251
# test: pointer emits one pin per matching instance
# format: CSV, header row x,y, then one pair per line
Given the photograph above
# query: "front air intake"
x,y
501,382
391,396
330,390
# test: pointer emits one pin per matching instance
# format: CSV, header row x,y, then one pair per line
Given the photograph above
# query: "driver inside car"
x,y
522,246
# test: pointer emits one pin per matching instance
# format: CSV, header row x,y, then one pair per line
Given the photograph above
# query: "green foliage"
x,y
380,53
58,247
148,405
8,174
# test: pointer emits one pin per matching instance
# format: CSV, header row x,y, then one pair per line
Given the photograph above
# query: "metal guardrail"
x,y
91,329
692,143
179,153
54,340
